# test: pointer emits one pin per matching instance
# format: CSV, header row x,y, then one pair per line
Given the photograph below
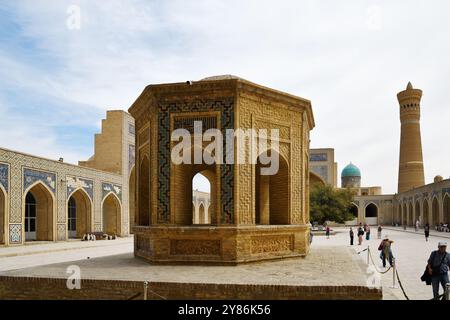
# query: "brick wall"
x,y
48,289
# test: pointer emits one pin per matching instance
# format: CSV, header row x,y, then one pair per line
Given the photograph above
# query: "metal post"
x,y
394,273
447,291
368,255
145,289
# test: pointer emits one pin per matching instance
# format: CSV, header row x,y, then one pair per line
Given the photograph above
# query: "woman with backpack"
x,y
386,251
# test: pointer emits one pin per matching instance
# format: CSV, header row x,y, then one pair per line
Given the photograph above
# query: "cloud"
x,y
350,58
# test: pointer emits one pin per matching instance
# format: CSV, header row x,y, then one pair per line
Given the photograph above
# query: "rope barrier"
x,y
380,272
444,296
134,297
395,271
401,286
363,250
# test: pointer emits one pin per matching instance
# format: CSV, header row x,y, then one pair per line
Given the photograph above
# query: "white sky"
x,y
350,58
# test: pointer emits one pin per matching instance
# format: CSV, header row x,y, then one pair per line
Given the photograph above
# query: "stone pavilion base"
x,y
220,245
326,273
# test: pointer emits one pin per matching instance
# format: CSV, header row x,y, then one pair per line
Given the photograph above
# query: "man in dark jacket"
x,y
438,266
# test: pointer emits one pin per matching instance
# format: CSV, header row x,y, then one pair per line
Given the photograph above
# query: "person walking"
x,y
352,236
368,232
426,229
327,232
386,251
360,235
379,231
417,225
438,266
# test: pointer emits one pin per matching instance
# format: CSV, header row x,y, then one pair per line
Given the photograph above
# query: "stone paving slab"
x,y
58,253
45,247
323,266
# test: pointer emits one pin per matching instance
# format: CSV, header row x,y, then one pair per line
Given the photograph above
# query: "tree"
x,y
329,204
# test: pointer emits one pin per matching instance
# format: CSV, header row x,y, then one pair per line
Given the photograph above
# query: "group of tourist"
x,y
443,227
438,264
363,230
384,247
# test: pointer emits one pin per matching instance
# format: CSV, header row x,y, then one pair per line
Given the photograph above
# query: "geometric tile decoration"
x,y
74,183
4,176
31,176
318,157
131,156
61,232
226,108
15,233
131,129
108,187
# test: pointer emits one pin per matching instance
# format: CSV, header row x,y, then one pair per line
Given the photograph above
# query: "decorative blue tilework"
x,y
131,129
15,233
74,183
131,156
31,176
108,187
318,157
226,108
4,176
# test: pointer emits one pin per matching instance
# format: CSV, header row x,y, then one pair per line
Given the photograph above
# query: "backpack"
x,y
437,269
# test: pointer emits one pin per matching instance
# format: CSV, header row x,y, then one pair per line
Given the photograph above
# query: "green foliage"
x,y
329,204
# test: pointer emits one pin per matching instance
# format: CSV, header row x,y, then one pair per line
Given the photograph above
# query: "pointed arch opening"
x,y
201,199
144,192
111,209
272,194
425,210
2,216
398,215
417,214
435,212
410,215
404,214
354,210
39,207
447,209
131,200
202,214
79,214
186,205
371,214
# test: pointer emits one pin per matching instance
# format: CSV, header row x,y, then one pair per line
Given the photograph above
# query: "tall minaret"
x,y
410,171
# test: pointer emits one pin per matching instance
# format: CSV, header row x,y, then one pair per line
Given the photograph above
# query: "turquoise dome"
x,y
351,171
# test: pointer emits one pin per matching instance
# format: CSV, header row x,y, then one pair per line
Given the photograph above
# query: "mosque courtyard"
x,y
337,262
